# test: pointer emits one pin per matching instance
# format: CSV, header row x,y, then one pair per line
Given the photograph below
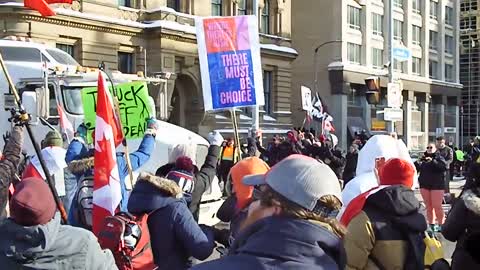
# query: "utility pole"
x,y
255,109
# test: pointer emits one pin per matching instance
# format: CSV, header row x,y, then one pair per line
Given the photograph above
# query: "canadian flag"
x,y
42,6
65,124
106,185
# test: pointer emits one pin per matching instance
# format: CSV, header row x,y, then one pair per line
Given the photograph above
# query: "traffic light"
x,y
373,90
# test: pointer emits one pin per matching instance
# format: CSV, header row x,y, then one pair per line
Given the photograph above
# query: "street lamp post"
x,y
315,62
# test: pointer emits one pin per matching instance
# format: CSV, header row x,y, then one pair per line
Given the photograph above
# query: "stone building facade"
x,y
158,36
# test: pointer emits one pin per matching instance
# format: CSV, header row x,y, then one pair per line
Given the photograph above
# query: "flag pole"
x,y
38,152
116,105
235,133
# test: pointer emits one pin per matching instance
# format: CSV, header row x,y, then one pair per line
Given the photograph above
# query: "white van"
x,y
42,94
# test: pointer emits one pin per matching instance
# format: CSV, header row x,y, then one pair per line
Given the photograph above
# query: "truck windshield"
x,y
72,98
62,57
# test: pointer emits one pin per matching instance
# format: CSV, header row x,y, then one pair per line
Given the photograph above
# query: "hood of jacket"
x,y
81,166
400,205
292,240
472,201
153,192
23,244
380,146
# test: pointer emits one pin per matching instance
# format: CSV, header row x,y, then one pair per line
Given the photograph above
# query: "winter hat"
x,y
248,166
184,179
32,203
397,171
189,150
53,138
184,163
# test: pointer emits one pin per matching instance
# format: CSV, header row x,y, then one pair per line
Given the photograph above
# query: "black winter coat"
x,y
350,167
432,173
463,219
202,180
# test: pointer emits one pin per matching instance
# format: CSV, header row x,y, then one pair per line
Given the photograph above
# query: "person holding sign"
x,y
80,159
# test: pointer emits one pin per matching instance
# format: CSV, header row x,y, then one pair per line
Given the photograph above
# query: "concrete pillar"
x,y
457,125
339,113
424,107
407,116
441,115
367,113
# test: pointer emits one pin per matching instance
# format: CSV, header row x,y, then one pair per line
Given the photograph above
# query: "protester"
x,y
290,226
174,233
385,226
80,162
432,167
378,146
8,164
459,162
234,209
331,155
53,154
33,237
227,160
447,153
463,225
351,163
203,178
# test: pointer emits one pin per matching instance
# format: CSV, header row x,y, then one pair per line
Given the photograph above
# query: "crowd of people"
x,y
296,202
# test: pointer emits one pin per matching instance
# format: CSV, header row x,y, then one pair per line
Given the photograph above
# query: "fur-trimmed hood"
x,y
472,201
153,192
81,166
168,187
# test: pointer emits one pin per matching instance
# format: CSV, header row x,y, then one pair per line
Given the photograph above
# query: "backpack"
x,y
128,238
84,201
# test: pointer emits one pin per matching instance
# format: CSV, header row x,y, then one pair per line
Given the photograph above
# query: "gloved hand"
x,y
19,118
215,138
82,131
152,126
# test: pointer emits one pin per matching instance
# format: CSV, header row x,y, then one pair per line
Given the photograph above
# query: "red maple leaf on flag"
x,y
106,180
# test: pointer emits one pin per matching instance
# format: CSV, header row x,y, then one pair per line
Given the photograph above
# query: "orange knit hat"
x,y
248,166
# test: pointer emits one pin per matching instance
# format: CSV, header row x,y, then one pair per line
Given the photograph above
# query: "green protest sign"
x,y
134,108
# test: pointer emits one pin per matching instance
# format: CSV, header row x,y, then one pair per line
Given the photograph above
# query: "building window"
x,y
242,7
265,24
70,49
433,40
353,53
377,58
433,10
267,90
217,8
175,4
416,66
448,44
433,69
449,17
416,6
397,30
353,17
416,38
398,3
449,73
399,66
125,62
377,24
126,3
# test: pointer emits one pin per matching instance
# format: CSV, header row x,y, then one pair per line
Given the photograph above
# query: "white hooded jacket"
x,y
376,147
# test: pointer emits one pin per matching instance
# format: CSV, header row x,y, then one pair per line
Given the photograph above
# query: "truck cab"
x,y
44,91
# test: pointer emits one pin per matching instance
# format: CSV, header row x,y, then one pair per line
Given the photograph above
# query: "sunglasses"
x,y
429,147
